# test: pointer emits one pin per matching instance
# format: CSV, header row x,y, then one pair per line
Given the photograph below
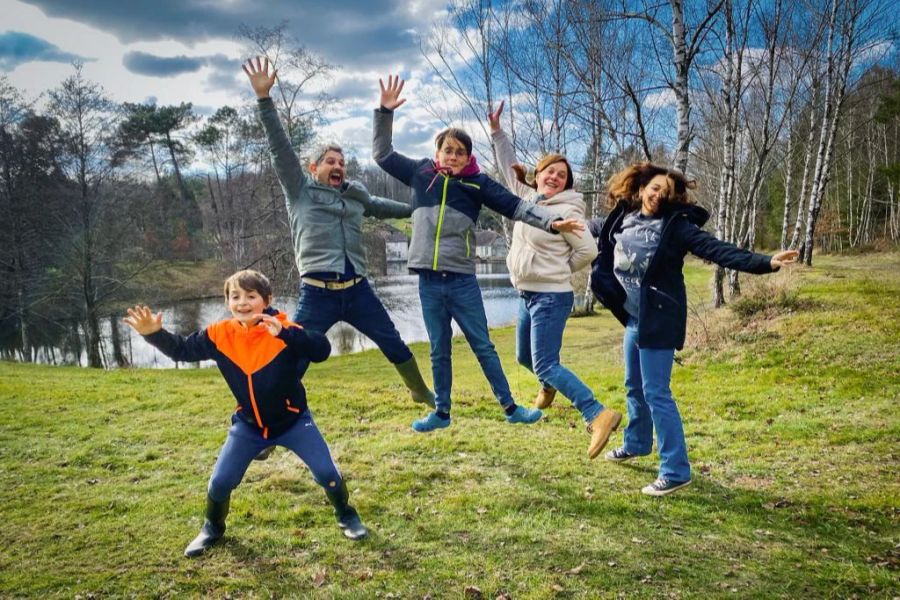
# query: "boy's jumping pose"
x,y
326,214
449,193
257,351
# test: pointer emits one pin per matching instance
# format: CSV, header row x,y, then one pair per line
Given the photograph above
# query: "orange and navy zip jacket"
x,y
261,370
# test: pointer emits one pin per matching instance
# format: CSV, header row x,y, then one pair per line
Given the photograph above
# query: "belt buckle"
x,y
342,285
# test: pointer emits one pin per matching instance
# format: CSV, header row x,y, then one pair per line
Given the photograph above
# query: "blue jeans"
x,y
539,334
244,443
318,309
648,372
456,296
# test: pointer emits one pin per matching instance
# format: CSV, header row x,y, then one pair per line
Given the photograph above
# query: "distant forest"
x,y
786,113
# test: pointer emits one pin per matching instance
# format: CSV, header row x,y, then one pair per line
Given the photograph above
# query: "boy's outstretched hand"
x,y
784,258
257,71
271,324
142,320
568,226
390,95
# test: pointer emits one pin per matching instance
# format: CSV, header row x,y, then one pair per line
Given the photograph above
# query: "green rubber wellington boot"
x,y
347,517
213,528
412,378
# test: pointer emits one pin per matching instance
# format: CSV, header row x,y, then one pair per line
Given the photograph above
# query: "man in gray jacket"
x,y
326,214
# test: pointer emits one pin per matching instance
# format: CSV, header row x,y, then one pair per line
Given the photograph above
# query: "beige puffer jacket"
x,y
539,261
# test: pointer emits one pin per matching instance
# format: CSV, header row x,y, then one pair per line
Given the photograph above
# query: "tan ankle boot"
x,y
601,428
545,398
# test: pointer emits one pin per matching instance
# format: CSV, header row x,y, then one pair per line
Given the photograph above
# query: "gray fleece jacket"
x,y
326,222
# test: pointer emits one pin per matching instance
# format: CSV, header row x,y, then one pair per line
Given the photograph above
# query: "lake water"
x,y
399,293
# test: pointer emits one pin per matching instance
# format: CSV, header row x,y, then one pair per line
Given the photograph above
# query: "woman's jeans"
x,y
244,443
648,372
456,296
539,334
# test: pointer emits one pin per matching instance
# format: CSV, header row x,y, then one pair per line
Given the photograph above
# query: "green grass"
x,y
791,418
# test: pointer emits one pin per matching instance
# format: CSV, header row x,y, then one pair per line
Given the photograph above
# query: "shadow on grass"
x,y
265,557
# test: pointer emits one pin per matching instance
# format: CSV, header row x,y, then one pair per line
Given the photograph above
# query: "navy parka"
x,y
663,313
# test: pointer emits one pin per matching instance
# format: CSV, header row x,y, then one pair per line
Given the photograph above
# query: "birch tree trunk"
x,y
680,87
788,185
731,91
839,63
807,160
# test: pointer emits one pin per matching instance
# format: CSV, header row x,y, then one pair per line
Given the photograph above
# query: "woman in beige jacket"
x,y
541,265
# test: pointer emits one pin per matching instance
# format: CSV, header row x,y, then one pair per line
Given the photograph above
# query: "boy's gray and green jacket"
x,y
326,222
445,208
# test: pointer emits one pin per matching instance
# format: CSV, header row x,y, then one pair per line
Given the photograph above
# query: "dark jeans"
x,y
318,309
244,442
648,372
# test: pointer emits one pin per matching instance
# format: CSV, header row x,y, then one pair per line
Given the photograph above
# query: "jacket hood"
x,y
470,170
355,190
564,198
695,214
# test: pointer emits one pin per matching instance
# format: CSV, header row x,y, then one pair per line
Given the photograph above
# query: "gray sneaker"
x,y
662,487
619,455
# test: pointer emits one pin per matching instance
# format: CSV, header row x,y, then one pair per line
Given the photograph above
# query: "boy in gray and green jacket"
x,y
326,214
449,192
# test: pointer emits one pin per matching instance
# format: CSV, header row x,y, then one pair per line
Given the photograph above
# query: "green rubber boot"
x,y
412,378
347,517
213,528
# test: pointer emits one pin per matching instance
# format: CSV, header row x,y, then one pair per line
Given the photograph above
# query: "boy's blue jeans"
x,y
456,296
318,309
539,334
244,443
648,372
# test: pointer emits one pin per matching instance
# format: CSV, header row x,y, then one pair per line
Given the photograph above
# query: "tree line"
x,y
787,113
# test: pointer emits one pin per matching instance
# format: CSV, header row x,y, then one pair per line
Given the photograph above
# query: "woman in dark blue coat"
x,y
638,275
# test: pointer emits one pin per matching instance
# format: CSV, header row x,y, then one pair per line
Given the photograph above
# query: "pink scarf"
x,y
469,170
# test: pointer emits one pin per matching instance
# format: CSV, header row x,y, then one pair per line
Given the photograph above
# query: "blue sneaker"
x,y
429,423
525,415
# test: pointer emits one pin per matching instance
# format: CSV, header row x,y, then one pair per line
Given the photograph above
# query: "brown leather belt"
x,y
331,285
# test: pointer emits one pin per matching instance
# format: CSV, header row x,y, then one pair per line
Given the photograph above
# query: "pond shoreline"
x,y
122,347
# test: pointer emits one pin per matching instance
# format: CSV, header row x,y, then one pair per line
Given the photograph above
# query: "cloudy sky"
x,y
175,51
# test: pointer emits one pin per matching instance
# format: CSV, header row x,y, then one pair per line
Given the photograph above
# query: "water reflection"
x,y
399,292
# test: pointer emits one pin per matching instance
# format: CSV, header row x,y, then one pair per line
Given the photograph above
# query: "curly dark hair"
x,y
627,183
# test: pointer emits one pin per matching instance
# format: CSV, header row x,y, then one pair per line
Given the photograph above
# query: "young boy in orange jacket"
x,y
257,351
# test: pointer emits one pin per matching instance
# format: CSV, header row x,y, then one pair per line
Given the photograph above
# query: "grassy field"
x,y
792,420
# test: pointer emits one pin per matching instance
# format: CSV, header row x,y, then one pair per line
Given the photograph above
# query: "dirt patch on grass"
x,y
753,483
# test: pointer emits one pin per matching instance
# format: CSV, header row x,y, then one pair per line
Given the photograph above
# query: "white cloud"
x,y
873,52
356,90
661,99
107,68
